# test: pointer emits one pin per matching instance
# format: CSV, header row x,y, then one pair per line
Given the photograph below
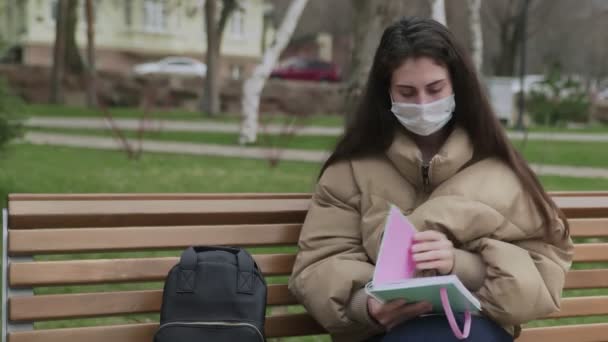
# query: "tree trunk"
x,y
59,53
215,30
72,56
438,11
510,41
91,77
253,86
475,32
371,18
209,106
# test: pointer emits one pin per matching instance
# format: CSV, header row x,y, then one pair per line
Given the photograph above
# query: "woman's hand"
x,y
433,250
395,312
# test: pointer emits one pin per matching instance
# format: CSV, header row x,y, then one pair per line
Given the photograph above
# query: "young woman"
x,y
425,138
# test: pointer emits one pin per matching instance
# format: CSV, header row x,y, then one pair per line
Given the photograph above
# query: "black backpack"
x,y
213,294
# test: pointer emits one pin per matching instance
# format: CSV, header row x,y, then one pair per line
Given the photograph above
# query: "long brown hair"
x,y
373,126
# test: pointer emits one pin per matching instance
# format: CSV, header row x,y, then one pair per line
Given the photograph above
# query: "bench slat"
x,y
155,196
35,241
583,207
72,272
39,241
590,252
276,326
578,193
47,307
81,213
597,227
44,273
587,279
567,333
582,306
62,306
64,214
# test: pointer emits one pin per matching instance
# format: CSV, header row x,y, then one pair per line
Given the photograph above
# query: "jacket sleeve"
x,y
524,271
331,267
524,279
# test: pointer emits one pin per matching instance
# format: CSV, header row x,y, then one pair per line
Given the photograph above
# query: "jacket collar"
x,y
452,156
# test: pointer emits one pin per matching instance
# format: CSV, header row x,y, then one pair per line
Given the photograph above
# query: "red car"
x,y
307,70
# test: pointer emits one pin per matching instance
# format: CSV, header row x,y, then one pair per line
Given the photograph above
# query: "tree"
x,y
371,18
215,30
504,21
438,11
59,52
475,33
72,56
91,77
252,88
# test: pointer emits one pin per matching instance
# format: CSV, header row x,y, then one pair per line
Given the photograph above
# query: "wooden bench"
x,y
46,225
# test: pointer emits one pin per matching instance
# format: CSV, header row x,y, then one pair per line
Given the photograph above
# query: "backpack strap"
x,y
246,278
186,276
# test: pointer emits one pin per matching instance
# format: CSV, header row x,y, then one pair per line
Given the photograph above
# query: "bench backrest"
x,y
86,256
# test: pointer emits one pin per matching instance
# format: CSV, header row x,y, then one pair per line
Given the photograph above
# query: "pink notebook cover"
x,y
395,261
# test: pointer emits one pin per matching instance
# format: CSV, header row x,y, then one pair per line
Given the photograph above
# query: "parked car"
x,y
183,66
306,69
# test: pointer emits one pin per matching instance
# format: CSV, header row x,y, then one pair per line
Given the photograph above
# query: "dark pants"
x,y
437,328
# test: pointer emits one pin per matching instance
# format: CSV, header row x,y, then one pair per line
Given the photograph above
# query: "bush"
x,y
557,100
11,109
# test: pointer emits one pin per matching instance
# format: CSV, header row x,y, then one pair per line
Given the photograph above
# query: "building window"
x,y
154,16
237,23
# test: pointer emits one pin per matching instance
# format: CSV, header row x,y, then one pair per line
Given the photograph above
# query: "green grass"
x,y
591,154
44,169
264,140
50,110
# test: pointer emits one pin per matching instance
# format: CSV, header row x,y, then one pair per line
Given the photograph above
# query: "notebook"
x,y
395,270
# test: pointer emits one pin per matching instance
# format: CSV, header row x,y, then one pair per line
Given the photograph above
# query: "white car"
x,y
183,66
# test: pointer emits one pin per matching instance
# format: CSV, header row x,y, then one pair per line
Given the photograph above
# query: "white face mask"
x,y
424,119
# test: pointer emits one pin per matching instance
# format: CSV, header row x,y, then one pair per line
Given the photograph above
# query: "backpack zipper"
x,y
221,324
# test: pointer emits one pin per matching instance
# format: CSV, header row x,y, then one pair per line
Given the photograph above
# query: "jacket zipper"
x,y
426,179
221,324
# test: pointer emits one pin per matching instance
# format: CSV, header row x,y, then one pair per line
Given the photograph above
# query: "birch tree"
x,y
475,32
253,86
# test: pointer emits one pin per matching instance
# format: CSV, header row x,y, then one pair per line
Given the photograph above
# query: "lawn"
x,y
49,110
30,168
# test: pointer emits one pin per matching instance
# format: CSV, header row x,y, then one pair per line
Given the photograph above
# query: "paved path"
x,y
252,152
170,125
201,126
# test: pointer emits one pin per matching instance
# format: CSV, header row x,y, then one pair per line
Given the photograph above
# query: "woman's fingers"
x,y
433,245
433,255
429,235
